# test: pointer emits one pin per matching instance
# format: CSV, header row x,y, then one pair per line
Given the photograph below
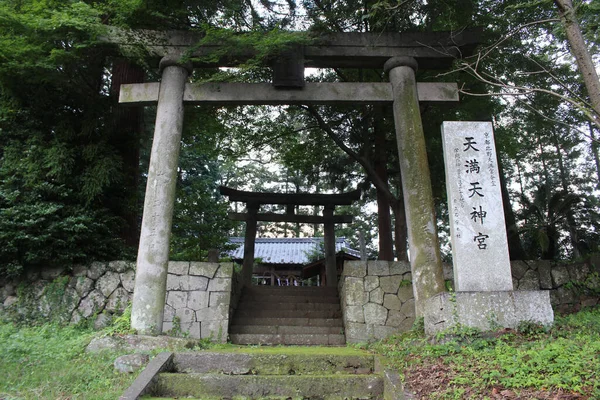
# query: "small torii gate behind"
x,y
253,202
398,54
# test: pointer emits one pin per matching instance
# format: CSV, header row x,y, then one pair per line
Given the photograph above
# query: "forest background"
x,y
73,162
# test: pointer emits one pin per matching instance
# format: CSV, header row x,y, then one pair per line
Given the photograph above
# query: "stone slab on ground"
x,y
138,343
487,310
145,381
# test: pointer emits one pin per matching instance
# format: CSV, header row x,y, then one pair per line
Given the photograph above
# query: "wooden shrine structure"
x,y
253,202
397,54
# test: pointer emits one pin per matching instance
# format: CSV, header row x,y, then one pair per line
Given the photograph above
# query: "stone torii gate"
x,y
398,54
253,202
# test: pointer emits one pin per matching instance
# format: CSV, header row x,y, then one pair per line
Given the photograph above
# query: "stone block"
x,y
10,301
354,293
96,270
177,299
121,266
560,275
530,281
205,269
408,277
37,288
518,268
384,332
476,309
219,285
376,296
357,268
196,282
378,268
118,300
131,362
218,298
92,303
405,293
399,267
168,315
167,328
545,274
177,282
355,314
197,300
395,318
225,270
566,295
108,283
391,302
185,315
390,284
51,274
407,324
83,285
408,308
579,272
214,330
128,280
371,283
375,314
216,313
193,330
179,267
79,270
358,333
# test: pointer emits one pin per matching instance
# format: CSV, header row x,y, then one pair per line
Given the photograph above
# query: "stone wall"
x,y
197,305
376,299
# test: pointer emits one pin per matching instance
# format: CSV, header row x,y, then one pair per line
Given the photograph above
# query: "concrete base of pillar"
x,y
487,310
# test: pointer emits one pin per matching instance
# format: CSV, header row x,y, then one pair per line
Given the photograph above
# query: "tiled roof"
x,y
286,250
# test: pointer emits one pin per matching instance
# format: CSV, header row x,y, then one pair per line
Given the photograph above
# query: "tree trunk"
x,y
384,219
515,248
594,149
128,128
581,53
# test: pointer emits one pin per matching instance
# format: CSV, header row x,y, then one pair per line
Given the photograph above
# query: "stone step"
x,y
289,299
289,339
285,330
337,386
280,363
285,313
261,305
292,321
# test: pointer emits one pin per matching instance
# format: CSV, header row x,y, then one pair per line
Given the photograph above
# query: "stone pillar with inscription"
x,y
484,295
153,254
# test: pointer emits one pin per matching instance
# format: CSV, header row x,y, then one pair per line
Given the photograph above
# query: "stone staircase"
x,y
288,315
271,373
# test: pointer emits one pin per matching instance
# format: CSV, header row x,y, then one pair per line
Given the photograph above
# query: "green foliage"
x,y
121,324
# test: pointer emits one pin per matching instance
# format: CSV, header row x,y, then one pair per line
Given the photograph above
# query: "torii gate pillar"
x,y
425,259
153,253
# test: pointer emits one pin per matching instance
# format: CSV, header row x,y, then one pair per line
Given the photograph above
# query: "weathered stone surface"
x,y
408,308
371,282
108,283
10,301
51,274
399,267
75,317
395,318
448,271
96,270
92,303
177,282
218,298
168,315
179,267
102,321
407,324
355,314
518,268
355,268
560,275
197,300
131,362
185,315
79,270
354,291
378,268
217,313
103,343
376,296
118,300
565,295
38,288
205,269
215,330
545,274
128,280
390,284
383,332
121,266
391,302
407,277
375,314
7,290
579,272
405,293
356,333
177,299
192,329
529,281
219,285
225,270
137,343
70,300
83,285
197,282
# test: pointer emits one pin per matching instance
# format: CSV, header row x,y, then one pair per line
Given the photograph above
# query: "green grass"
x,y
565,357
49,362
